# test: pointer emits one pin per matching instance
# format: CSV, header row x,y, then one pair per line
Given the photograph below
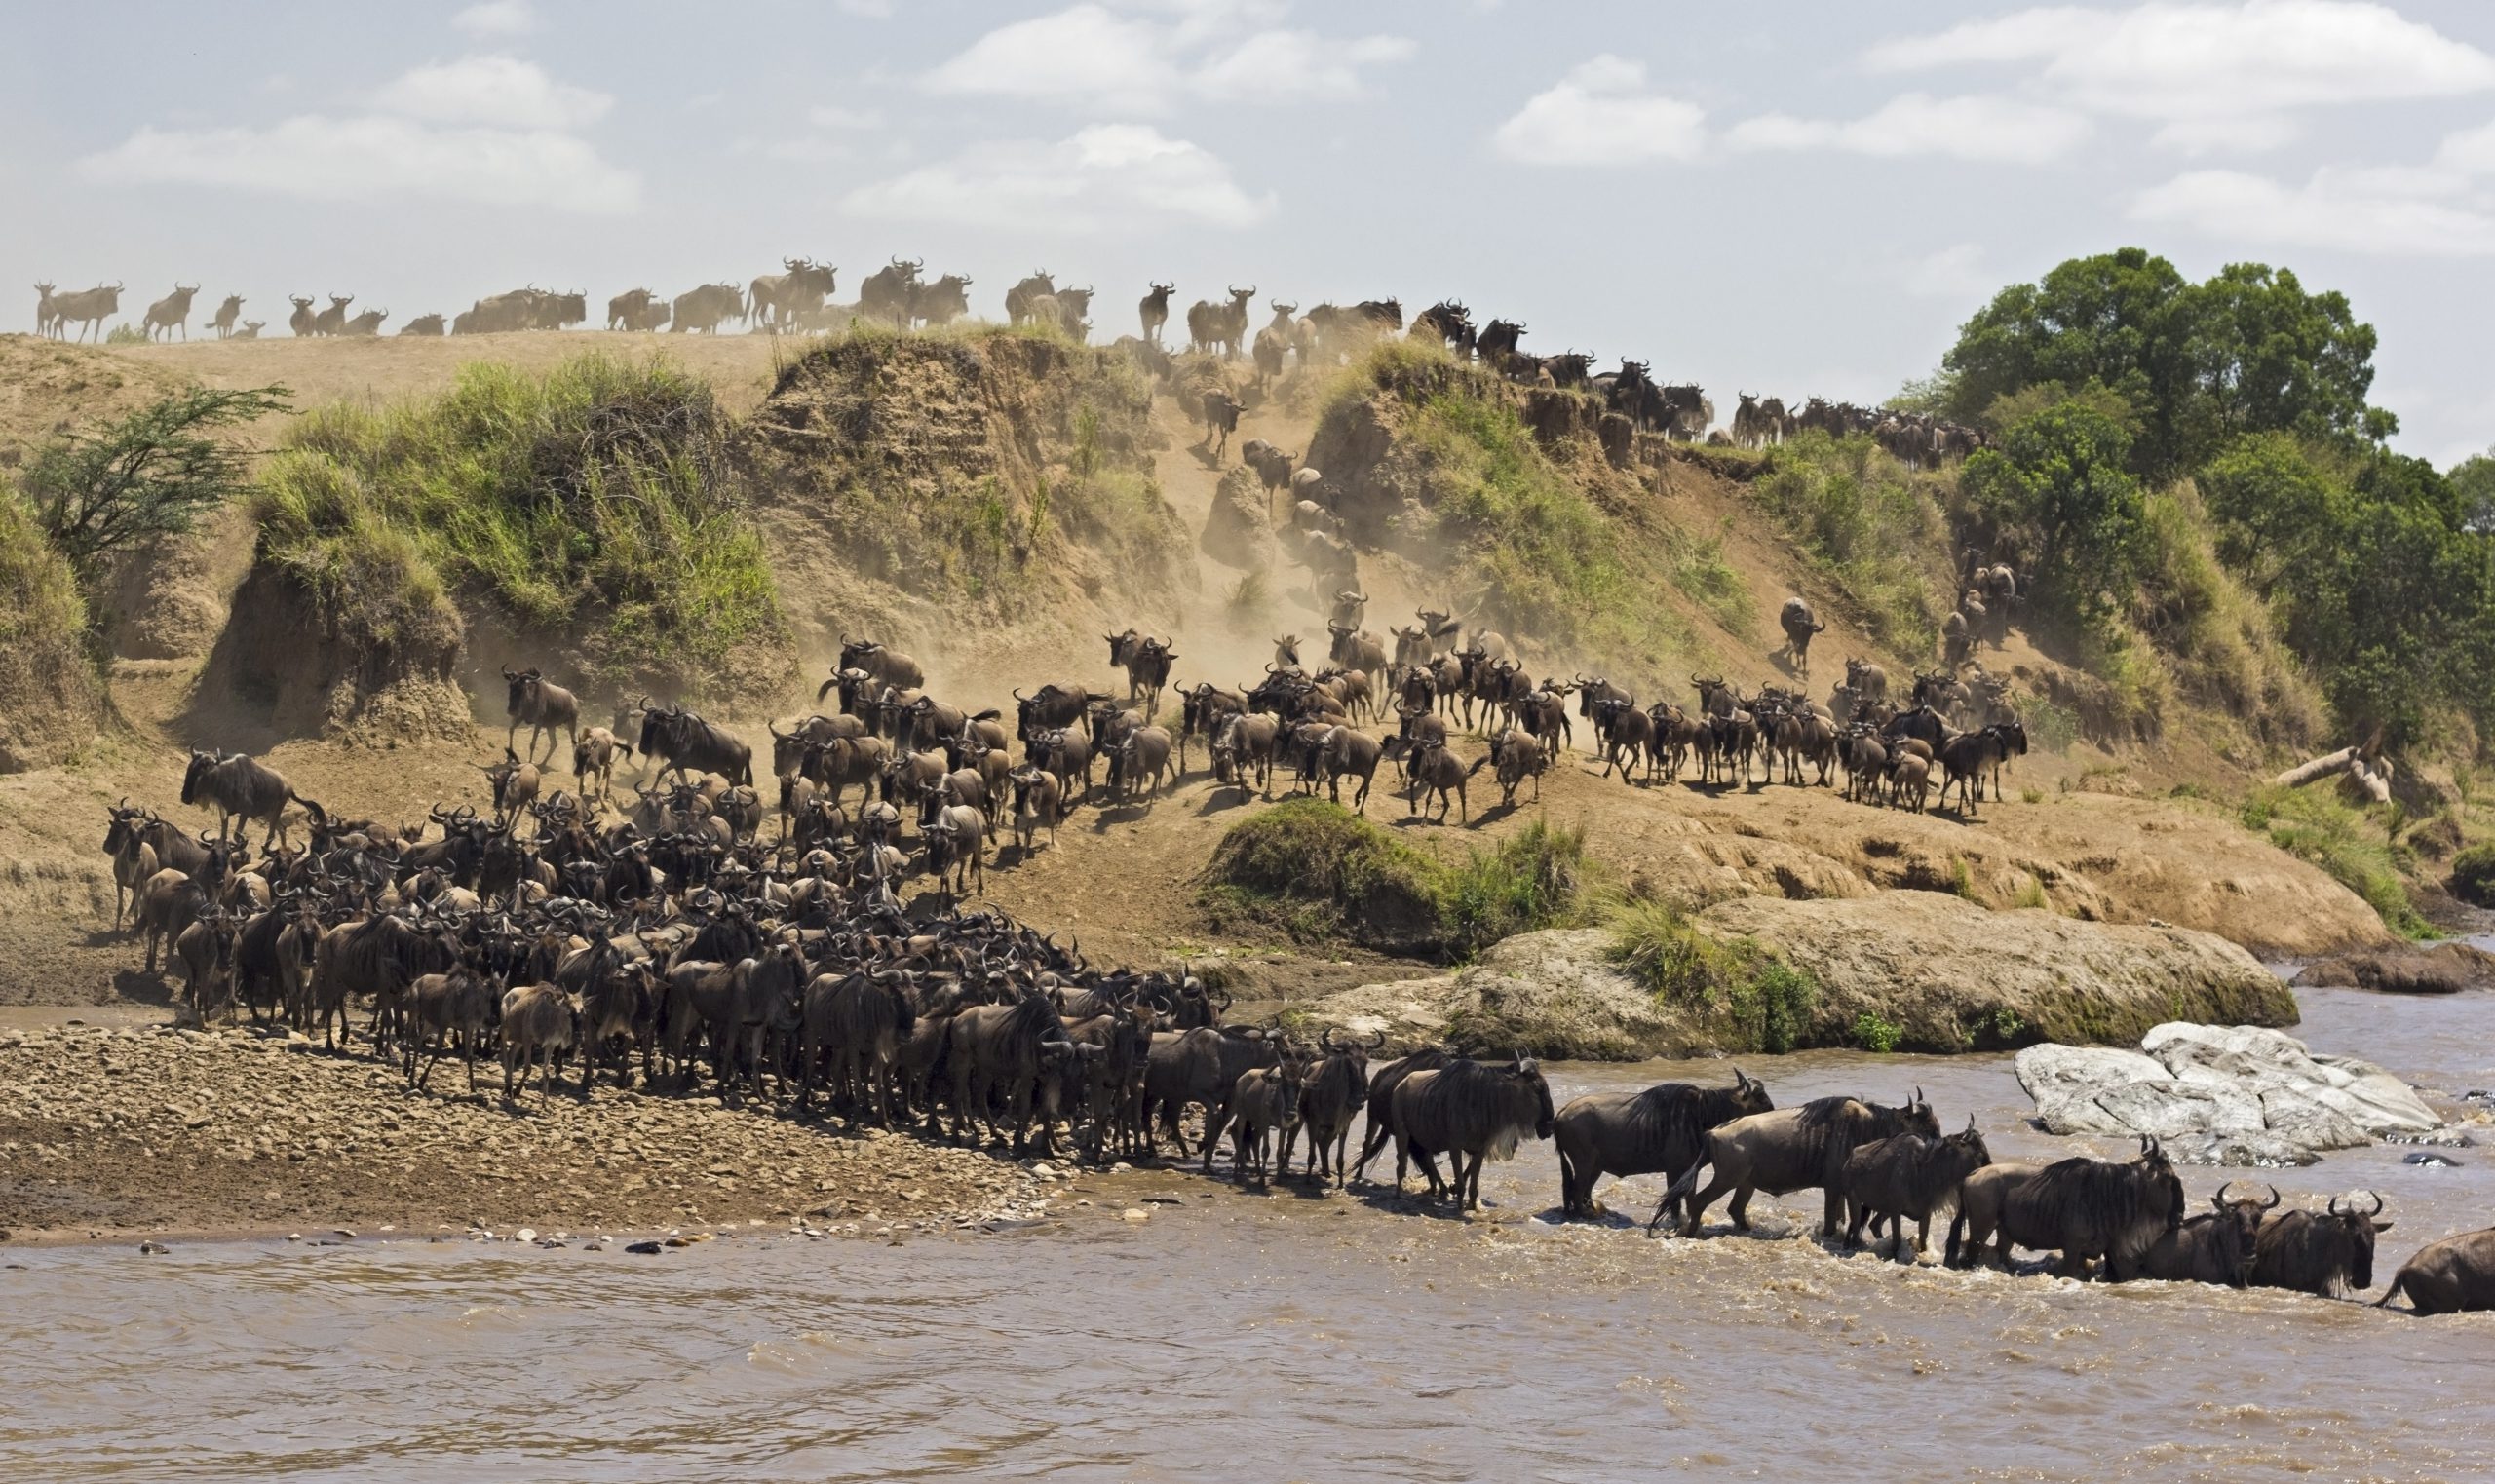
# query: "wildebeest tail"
x,y
2399,1281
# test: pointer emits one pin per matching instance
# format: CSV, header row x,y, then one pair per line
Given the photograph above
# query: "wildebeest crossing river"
x,y
1271,1337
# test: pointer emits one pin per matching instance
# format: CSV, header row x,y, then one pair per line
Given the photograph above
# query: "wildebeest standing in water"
x,y
2453,1275
1907,1176
1789,1150
1472,1114
2096,1209
1654,1132
2319,1252
1333,1091
2216,1246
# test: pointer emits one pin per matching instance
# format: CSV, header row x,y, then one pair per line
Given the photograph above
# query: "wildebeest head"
x,y
520,683
201,765
2360,1228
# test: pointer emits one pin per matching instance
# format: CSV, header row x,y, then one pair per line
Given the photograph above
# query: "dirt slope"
x,y
1125,879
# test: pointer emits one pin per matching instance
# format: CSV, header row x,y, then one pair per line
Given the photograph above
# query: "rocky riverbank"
x,y
157,1130
1918,971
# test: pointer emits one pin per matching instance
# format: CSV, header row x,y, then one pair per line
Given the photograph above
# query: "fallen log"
x,y
2365,775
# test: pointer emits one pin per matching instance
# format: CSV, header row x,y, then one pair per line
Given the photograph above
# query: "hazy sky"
x,y
1797,197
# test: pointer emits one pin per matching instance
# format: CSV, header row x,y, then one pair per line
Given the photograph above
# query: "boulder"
x,y
1554,993
2443,969
1237,532
2221,1094
1954,976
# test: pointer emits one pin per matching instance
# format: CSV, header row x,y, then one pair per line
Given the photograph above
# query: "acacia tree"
x,y
2059,480
152,473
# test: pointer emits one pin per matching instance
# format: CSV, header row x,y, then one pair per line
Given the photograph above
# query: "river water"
x,y
1244,1336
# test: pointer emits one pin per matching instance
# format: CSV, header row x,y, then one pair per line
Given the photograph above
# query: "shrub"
x,y
151,473
1317,871
1873,1034
1869,525
2312,825
2473,875
50,695
597,500
1755,1000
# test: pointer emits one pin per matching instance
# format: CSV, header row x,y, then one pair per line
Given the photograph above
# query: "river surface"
x,y
1243,1336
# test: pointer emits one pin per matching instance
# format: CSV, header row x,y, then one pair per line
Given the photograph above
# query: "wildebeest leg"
x,y
1289,1137
1833,1212
1372,1140
1217,1118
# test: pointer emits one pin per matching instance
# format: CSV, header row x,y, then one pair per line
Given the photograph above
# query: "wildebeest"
x,y
1787,1150
332,319
1907,1176
2094,1210
1264,1108
541,706
885,663
1329,1099
456,1005
1018,298
1225,325
1199,1066
1154,311
174,312
2453,1275
701,310
593,754
1434,770
2319,1252
778,298
2214,1247
88,309
1799,624
1472,1114
998,1053
538,1025
855,1024
1221,420
1381,1099
237,787
1654,1132
421,325
682,743
1964,758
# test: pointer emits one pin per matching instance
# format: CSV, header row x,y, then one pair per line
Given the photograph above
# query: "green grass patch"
x,y
50,696
1871,528
2314,824
1873,1034
1752,1000
597,501
1318,872
2473,875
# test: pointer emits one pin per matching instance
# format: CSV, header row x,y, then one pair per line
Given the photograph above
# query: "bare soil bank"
x,y
148,1128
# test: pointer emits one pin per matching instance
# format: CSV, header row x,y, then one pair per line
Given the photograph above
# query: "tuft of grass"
x,y
597,500
2473,875
1755,1000
1250,595
1874,529
2031,893
1961,879
51,695
1320,872
1873,1034
2221,642
2314,824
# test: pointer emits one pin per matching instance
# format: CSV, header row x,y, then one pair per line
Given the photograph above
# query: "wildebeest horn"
x,y
2272,1200
1918,1098
1376,1040
507,673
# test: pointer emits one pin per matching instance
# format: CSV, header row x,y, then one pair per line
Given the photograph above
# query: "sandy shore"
x,y
152,1130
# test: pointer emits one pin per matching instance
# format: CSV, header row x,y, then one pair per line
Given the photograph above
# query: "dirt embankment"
x,y
1923,972
151,1129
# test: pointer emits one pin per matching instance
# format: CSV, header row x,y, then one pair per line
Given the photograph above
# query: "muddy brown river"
x,y
1239,1336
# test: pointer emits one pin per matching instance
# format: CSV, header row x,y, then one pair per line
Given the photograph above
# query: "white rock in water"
x,y
2051,1073
2221,1095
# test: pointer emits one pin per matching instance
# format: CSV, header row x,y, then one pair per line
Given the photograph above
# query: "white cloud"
x,y
2377,213
483,129
1979,128
1090,56
492,90
1103,177
1955,272
497,18
376,158
833,116
1600,114
1291,66
2220,76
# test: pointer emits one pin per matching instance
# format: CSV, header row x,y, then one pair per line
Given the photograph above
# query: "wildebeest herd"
x,y
798,300
669,941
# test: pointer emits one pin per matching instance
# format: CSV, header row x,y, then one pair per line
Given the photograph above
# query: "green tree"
x,y
2473,482
2273,506
151,473
2120,320
2201,364
2059,480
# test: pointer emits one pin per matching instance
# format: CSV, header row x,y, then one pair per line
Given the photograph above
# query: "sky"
x,y
1799,199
